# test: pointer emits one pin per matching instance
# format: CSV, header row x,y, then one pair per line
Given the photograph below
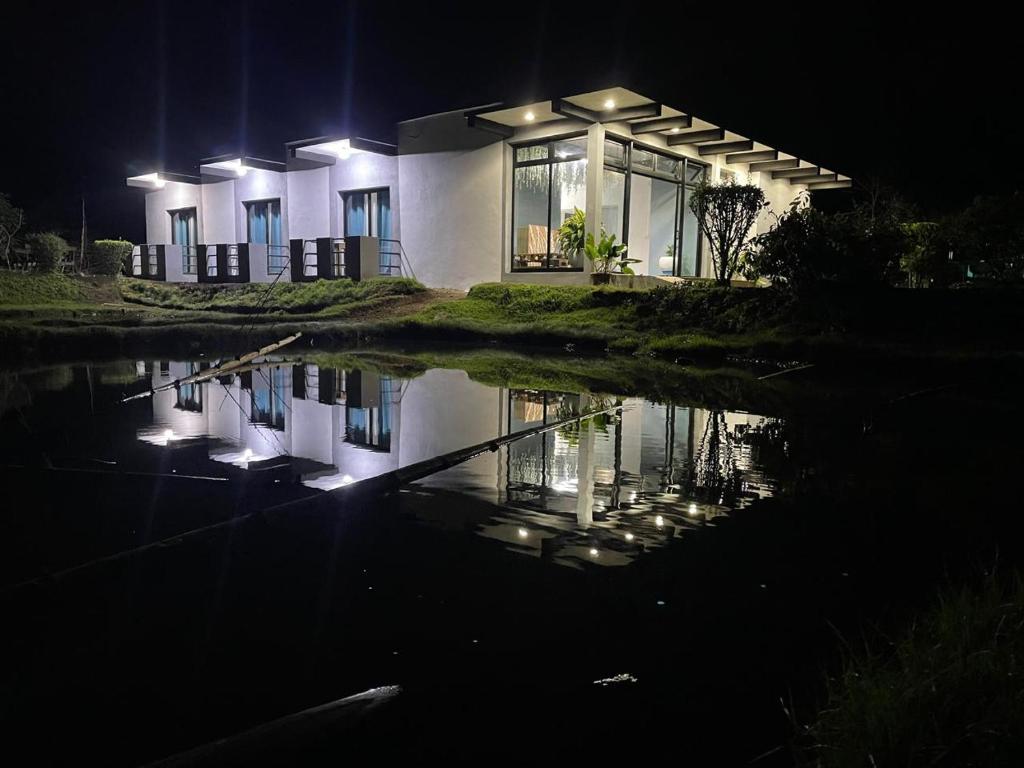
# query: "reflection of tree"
x,y
714,463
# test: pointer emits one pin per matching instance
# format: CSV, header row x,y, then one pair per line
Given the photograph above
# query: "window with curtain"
x,y
183,233
264,222
367,212
549,184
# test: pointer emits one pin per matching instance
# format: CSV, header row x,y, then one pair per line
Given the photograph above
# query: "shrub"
x,y
47,250
807,247
989,235
109,257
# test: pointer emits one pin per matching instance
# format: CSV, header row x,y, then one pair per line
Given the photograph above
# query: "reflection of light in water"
x,y
692,510
566,486
329,483
630,537
168,434
659,521
523,533
593,552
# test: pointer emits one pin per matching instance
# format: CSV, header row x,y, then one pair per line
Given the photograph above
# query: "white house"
x,y
463,197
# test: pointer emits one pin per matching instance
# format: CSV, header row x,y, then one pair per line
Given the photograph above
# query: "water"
x,y
657,570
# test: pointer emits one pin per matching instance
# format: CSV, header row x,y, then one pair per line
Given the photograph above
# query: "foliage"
x,y
926,256
571,235
725,213
807,247
947,692
47,250
12,221
110,257
989,235
34,289
320,295
607,256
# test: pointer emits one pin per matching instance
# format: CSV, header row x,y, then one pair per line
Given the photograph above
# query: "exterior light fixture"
x,y
530,117
609,103
676,129
240,168
158,182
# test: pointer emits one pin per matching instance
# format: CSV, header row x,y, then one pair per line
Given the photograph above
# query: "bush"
x,y
989,235
47,250
807,247
109,257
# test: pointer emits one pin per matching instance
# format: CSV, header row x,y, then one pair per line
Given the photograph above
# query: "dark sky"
x,y
921,97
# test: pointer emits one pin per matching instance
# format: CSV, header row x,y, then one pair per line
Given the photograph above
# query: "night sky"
x,y
92,93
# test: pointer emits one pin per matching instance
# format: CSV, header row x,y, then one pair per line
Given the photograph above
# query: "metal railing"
x,y
277,259
137,261
338,257
153,259
390,257
233,265
189,260
211,261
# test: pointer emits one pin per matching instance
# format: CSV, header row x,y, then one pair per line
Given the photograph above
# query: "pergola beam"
x,y
568,109
482,123
794,173
696,137
824,185
752,157
657,125
723,147
774,165
813,180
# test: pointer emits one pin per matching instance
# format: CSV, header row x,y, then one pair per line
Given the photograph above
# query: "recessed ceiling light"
x,y
609,103
676,129
529,117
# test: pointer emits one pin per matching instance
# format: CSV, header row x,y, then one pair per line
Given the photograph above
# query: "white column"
x,y
595,183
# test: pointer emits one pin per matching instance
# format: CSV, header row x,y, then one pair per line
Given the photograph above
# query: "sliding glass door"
x,y
367,212
263,224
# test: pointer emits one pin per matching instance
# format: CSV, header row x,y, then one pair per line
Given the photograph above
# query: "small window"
x,y
264,222
643,160
571,149
614,153
535,152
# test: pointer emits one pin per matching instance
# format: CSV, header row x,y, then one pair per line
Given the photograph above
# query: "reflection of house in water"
x,y
598,490
334,426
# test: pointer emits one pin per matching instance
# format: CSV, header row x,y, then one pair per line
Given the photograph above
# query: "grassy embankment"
x,y
947,691
688,323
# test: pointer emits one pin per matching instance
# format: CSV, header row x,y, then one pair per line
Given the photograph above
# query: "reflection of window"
x,y
549,184
267,395
371,427
190,396
535,462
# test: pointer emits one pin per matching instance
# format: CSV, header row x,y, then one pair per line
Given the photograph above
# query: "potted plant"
x,y
607,257
572,236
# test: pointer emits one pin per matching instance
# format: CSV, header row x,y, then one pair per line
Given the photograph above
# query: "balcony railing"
x,y
390,257
233,264
189,260
277,259
211,261
338,257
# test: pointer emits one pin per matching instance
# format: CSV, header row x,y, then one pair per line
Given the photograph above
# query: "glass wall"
x,y
549,186
613,195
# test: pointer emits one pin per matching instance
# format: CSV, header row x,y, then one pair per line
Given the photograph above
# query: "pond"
x,y
627,573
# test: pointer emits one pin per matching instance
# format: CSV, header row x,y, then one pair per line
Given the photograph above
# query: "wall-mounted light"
x,y
530,117
241,170
609,103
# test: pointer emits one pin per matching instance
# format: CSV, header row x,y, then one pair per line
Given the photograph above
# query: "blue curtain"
x,y
384,214
275,223
355,214
258,223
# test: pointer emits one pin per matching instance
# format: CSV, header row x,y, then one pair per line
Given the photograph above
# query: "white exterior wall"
x,y
452,223
363,170
160,202
219,212
309,203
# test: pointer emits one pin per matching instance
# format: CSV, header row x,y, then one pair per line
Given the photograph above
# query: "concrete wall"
x,y
173,196
309,203
219,213
452,215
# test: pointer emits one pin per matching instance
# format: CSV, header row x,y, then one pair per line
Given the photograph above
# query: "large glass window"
x,y
264,227
549,185
183,233
613,195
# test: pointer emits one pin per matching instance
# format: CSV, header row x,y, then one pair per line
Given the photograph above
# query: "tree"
x,y
48,250
726,212
109,257
989,235
12,219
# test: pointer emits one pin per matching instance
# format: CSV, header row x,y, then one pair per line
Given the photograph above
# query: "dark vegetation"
x,y
947,691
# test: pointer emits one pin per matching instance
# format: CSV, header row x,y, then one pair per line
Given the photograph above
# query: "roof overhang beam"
x,y
725,147
752,157
696,137
678,123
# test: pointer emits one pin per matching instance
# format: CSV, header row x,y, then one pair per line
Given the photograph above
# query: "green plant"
x,y
47,250
12,219
572,235
726,212
109,257
606,255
